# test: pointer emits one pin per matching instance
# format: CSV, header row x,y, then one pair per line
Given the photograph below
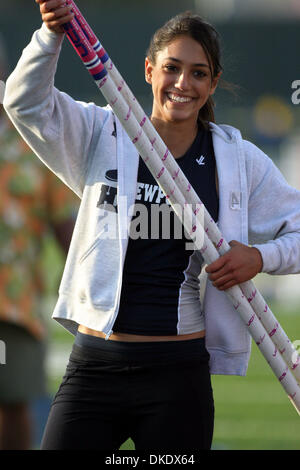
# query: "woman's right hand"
x,y
55,13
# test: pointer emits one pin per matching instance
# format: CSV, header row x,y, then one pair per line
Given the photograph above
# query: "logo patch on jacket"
x,y
235,200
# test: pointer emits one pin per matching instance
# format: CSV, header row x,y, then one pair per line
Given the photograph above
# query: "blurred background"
x,y
260,42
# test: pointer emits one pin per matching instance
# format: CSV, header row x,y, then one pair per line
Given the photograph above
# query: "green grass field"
x,y
252,412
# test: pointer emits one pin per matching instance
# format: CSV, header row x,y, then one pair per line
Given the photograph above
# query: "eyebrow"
x,y
180,61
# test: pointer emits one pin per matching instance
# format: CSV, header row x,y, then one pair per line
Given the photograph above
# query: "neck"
x,y
178,137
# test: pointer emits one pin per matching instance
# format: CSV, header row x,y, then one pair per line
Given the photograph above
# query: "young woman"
x,y
146,345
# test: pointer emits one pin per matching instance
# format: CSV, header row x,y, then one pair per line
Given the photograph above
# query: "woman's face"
x,y
181,81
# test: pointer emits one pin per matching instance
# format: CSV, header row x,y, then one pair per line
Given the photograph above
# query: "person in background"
x,y
33,202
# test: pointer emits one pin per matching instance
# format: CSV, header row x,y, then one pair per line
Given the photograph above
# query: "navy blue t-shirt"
x,y
157,257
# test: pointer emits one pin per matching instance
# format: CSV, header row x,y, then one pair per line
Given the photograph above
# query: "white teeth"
x,y
179,99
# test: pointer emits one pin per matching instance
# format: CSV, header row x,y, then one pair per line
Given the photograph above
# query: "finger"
x,y
58,17
55,20
234,243
227,285
57,8
223,280
216,265
50,5
220,273
57,25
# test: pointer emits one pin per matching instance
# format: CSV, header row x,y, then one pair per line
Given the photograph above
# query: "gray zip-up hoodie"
x,y
80,142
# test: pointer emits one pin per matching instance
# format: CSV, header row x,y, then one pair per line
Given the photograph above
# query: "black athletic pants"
x,y
157,393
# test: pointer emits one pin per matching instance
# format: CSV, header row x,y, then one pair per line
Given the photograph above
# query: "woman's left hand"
x,y
240,264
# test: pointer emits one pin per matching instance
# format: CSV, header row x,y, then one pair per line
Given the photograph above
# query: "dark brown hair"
x,y
192,25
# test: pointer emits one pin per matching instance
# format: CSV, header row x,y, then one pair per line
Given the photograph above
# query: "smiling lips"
x,y
178,98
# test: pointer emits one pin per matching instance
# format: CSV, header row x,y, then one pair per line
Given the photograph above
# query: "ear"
x,y
214,83
148,71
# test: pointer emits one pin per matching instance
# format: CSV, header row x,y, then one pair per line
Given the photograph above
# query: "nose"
x,y
182,80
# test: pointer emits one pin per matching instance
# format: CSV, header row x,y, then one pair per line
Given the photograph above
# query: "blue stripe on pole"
x,y
104,58
100,75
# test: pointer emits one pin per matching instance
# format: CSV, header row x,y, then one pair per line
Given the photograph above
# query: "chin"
x,y
181,117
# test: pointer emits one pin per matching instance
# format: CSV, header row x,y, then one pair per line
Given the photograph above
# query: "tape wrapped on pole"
x,y
135,129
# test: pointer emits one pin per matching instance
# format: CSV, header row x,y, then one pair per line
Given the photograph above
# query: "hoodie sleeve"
x,y
273,215
61,131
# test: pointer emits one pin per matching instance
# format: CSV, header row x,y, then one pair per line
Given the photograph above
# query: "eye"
x,y
200,74
170,68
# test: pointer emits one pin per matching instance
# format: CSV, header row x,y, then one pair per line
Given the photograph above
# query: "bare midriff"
x,y
115,336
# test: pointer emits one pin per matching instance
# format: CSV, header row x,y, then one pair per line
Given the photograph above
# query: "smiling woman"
x,y
183,67
187,26
182,83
